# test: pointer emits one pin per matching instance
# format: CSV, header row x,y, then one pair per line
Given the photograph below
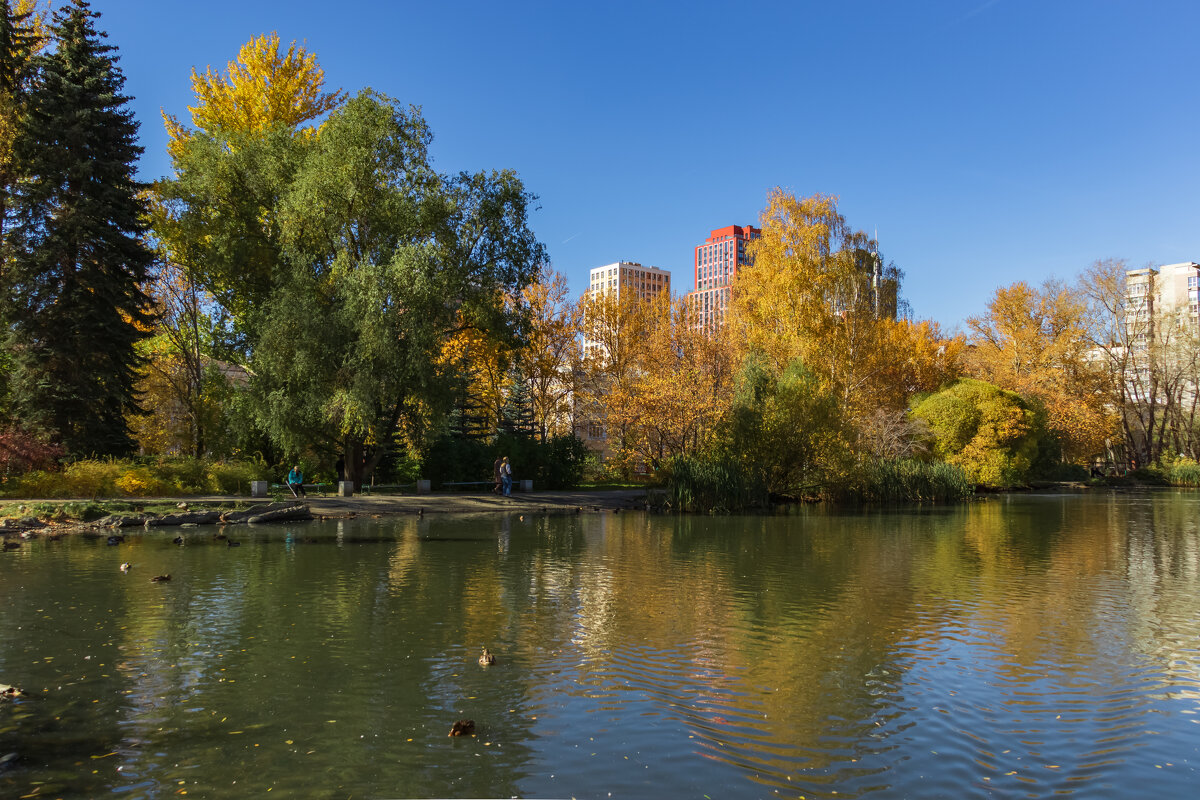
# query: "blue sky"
x,y
987,141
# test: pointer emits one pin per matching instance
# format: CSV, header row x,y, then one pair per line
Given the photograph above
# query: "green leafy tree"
x,y
79,260
786,429
385,259
992,434
219,219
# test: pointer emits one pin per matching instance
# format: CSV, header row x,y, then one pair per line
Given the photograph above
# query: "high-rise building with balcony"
x,y
1152,292
716,263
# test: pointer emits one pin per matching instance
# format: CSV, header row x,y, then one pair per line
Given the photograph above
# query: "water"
x,y
1017,647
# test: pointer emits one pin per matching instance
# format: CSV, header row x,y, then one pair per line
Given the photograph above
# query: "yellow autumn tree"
x,y
479,363
678,391
1034,341
817,292
616,330
263,87
551,351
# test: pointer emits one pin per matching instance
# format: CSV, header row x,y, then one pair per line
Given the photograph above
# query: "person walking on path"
x,y
295,482
506,476
496,475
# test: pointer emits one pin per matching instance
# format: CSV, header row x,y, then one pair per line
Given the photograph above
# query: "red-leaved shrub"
x,y
21,451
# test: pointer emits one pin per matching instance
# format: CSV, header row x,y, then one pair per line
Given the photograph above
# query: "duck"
x,y
126,567
486,659
160,578
177,540
464,727
11,545
232,543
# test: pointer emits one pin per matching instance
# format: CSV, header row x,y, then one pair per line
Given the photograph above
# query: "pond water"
x,y
1015,647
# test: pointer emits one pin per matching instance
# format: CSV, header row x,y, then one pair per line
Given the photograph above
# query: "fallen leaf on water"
x,y
106,755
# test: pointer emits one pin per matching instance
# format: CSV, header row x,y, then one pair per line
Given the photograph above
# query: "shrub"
x,y
1065,472
21,451
94,478
234,477
992,434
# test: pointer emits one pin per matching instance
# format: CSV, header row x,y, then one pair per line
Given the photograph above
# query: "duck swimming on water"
x,y
486,659
464,727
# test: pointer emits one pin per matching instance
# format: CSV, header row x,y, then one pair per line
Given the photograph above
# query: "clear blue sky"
x,y
987,141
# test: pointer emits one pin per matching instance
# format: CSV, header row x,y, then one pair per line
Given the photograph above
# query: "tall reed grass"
x,y
885,481
1183,473
698,484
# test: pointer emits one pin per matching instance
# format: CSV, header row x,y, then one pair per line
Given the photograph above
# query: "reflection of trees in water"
x,y
783,644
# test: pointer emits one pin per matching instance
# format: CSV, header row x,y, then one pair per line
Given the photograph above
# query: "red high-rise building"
x,y
716,263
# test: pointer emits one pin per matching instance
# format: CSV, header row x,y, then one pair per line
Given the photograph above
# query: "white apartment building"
x,y
624,277
1171,288
629,276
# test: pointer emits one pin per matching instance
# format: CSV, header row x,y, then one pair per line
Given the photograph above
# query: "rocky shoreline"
x,y
31,527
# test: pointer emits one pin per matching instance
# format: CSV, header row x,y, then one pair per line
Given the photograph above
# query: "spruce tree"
x,y
79,261
18,40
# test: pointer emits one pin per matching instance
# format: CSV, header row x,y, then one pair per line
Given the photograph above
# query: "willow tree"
x,y
384,260
217,216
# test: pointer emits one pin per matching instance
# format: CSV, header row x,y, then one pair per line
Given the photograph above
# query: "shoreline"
x,y
333,506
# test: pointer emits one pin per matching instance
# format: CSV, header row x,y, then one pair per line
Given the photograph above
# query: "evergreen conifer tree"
x,y
516,417
77,308
18,40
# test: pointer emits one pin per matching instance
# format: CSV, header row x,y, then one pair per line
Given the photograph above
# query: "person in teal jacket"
x,y
295,481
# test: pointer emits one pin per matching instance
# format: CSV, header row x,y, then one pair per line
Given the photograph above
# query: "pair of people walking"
x,y
502,475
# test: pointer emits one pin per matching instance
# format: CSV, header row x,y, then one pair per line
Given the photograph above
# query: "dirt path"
x,y
470,503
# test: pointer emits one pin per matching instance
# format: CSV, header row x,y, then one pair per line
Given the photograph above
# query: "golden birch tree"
x,y
263,87
1034,342
678,391
550,354
817,293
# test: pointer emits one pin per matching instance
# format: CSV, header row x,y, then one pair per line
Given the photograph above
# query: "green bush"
x,y
1065,472
234,477
557,463
992,434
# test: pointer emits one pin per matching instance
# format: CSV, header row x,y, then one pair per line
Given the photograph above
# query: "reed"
x,y
712,485
1183,473
887,481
